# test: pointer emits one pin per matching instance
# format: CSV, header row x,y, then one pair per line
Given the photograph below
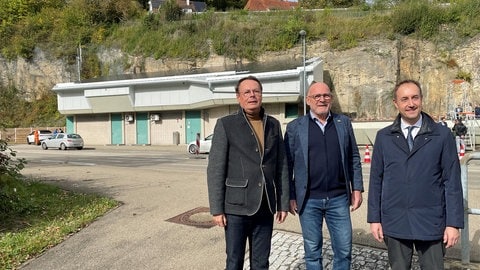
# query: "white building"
x,y
173,109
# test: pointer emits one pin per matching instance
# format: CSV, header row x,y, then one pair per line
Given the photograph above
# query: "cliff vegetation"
x,y
59,29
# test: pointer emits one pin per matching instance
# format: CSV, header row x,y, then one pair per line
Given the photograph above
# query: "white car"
x,y
43,134
63,141
205,145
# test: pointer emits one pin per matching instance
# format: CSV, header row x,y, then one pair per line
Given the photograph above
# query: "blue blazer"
x,y
296,144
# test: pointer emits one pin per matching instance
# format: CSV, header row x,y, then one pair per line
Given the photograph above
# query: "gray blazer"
x,y
296,140
237,173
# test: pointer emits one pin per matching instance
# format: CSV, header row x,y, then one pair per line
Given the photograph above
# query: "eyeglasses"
x,y
317,97
250,92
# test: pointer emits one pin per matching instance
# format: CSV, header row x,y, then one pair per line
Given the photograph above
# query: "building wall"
x,y
170,129
162,132
130,136
277,110
213,115
94,128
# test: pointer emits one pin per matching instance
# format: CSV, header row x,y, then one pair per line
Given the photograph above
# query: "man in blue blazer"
x,y
326,177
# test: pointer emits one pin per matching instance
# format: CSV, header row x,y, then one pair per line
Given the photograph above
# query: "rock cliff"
x,y
362,77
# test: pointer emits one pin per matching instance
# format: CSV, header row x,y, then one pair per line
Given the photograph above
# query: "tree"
x,y
16,111
236,4
225,5
11,107
171,11
144,3
330,3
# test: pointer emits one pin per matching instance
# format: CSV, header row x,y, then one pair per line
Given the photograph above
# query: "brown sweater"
x,y
257,125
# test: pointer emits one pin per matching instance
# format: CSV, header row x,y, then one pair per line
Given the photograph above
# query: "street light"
x,y
303,34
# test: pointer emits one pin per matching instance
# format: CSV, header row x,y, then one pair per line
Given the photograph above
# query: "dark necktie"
x,y
410,137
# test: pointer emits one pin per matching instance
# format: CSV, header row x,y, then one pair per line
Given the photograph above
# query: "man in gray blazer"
x,y
324,165
247,177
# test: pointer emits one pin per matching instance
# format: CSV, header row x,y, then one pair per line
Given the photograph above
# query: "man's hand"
x,y
220,220
451,236
281,216
377,231
356,200
293,207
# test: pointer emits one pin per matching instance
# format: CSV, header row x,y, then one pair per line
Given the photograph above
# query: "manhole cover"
x,y
199,217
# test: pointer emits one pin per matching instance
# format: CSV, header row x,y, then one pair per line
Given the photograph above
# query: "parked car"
x,y
205,145
44,134
63,141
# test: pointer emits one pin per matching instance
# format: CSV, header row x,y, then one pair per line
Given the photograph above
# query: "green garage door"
x,y
117,131
192,125
70,124
142,128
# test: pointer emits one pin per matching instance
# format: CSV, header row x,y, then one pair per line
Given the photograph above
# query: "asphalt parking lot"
x,y
163,222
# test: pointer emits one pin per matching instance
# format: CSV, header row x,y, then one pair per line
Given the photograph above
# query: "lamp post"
x,y
303,34
79,62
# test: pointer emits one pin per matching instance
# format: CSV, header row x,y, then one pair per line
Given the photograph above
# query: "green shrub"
x,y
464,13
11,195
38,108
59,27
171,11
10,167
464,76
407,17
151,21
9,163
419,16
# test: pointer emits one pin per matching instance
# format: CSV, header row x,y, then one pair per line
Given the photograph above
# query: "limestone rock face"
x,y
36,75
362,77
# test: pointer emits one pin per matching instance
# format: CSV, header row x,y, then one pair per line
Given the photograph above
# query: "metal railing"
x,y
472,125
467,210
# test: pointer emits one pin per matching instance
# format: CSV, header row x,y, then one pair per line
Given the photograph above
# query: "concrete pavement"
x,y
150,229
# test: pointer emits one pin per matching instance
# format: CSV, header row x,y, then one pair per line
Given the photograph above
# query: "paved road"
x,y
162,222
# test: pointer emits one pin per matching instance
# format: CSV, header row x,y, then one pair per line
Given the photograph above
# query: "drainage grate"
x,y
198,217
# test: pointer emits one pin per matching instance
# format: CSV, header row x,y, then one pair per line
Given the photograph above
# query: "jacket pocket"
x,y
236,191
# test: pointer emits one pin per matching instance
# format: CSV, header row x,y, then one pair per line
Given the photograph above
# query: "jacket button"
x,y
259,184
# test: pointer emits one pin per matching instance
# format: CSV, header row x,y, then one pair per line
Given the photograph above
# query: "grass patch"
x,y
35,216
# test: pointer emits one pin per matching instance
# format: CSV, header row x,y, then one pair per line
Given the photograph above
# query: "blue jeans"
x,y
258,230
336,212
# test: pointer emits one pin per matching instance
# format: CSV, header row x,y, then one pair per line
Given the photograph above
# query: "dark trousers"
x,y
258,230
400,252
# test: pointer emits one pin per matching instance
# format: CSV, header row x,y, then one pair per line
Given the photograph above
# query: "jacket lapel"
x,y
303,133
340,127
399,139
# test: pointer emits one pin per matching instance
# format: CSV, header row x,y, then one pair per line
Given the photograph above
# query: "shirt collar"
x,y
404,124
312,116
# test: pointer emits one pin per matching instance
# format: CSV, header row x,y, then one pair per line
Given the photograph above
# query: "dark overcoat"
x,y
415,194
